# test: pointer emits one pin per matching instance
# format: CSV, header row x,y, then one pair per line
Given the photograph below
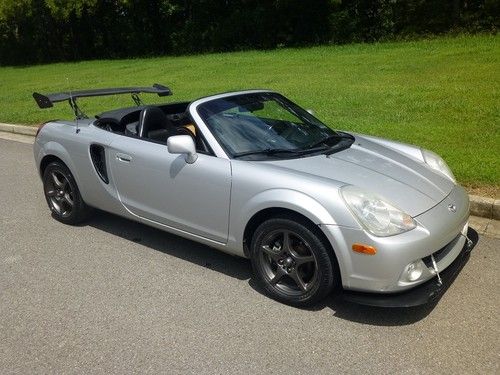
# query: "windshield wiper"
x,y
344,140
268,151
338,137
344,144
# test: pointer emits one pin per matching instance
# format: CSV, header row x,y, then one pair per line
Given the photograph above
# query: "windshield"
x,y
263,122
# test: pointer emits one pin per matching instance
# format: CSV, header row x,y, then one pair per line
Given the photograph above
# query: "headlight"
x,y
437,163
377,216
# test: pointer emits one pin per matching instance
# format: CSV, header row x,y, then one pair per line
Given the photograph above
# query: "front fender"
x,y
276,198
290,199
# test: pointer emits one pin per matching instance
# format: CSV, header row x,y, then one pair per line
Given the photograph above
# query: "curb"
x,y
485,207
19,129
479,206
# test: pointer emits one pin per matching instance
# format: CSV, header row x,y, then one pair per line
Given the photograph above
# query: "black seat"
x,y
154,124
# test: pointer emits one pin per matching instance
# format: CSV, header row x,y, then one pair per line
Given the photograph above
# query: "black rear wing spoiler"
x,y
48,100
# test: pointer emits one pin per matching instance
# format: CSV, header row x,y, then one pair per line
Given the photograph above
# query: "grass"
x,y
442,94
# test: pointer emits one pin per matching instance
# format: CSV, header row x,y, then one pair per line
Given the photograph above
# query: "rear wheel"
x,y
291,262
62,194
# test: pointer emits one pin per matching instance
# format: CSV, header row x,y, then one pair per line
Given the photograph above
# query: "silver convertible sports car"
x,y
255,175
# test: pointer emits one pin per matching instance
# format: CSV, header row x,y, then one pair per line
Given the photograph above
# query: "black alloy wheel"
x,y
62,194
291,261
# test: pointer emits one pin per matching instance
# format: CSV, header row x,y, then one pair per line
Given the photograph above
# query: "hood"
x,y
402,180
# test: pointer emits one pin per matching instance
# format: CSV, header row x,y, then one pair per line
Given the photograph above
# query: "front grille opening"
x,y
441,253
98,157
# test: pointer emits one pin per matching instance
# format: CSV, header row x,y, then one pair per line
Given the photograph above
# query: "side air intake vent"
x,y
99,160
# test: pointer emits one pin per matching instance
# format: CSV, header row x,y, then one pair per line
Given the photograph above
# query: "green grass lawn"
x,y
442,94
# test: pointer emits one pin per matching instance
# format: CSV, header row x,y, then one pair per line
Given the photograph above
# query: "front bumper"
x,y
439,233
422,294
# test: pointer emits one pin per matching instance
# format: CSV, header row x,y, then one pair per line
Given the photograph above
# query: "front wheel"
x,y
62,195
291,262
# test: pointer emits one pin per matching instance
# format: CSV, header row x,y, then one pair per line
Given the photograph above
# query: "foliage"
x,y
64,9
39,31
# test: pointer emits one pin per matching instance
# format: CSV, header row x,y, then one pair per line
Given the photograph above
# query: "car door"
x,y
159,186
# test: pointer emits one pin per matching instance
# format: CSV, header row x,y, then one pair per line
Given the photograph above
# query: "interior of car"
x,y
153,123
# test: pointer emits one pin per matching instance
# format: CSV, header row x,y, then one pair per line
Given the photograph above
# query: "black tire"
x,y
63,196
299,274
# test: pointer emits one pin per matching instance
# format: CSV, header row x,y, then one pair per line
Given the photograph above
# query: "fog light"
x,y
414,270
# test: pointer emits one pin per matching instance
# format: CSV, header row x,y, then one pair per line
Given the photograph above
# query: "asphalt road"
x,y
115,296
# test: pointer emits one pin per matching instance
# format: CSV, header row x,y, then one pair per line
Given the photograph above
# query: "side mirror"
x,y
182,144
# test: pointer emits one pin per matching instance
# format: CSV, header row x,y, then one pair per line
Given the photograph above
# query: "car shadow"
x,y
369,315
378,316
240,269
173,245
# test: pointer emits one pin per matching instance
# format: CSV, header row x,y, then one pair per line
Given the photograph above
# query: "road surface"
x,y
115,296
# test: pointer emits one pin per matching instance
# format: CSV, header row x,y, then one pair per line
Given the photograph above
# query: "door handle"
x,y
123,157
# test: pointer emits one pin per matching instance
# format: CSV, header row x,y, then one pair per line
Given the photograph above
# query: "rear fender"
x,y
56,149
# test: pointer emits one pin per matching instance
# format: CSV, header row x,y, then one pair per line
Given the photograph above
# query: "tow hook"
x,y
434,265
469,243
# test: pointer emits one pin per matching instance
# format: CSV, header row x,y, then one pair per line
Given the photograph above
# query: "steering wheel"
x,y
291,130
270,129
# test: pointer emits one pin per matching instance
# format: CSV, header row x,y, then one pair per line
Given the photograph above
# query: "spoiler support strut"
x,y
136,98
79,114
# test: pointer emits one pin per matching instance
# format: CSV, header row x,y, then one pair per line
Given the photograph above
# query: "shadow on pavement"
x,y
378,316
240,269
173,245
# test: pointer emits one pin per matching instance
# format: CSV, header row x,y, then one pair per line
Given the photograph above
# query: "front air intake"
x,y
98,157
